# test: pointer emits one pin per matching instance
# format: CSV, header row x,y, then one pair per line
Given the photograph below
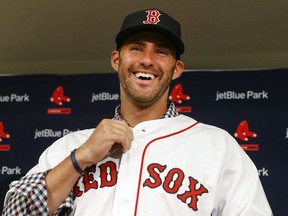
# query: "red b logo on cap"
x,y
152,17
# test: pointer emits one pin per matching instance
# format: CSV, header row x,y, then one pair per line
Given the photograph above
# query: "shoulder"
x,y
211,135
72,140
60,149
200,126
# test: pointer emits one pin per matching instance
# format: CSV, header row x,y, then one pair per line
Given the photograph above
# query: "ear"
x,y
179,68
115,60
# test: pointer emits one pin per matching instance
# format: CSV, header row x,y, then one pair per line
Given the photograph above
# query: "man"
x,y
148,159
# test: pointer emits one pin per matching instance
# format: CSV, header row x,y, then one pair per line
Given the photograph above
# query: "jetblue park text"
x,y
232,95
15,98
104,96
47,133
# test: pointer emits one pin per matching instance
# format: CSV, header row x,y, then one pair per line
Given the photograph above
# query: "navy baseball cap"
x,y
152,20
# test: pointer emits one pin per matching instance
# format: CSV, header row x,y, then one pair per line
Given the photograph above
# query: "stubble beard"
x,y
143,97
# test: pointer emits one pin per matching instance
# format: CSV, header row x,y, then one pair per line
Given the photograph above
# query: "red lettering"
x,y
173,181
89,180
77,190
170,185
193,194
154,175
152,17
108,174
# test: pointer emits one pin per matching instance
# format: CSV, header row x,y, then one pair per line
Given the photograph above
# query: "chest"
x,y
159,174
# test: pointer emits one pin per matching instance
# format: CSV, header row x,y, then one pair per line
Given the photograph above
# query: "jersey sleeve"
x,y
241,191
29,196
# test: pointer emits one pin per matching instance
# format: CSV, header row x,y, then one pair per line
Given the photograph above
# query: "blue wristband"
x,y
75,163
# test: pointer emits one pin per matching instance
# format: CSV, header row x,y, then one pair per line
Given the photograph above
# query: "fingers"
x,y
110,136
122,135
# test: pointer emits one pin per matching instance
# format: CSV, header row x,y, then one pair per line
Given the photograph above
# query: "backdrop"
x,y
252,106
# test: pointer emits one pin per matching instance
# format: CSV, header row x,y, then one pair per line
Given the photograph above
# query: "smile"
x,y
145,76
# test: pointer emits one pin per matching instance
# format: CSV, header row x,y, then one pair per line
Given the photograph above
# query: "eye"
x,y
136,48
163,52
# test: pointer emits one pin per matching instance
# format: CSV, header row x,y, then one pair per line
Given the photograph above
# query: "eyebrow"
x,y
160,44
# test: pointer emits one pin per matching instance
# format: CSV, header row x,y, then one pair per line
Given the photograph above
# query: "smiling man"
x,y
149,159
146,64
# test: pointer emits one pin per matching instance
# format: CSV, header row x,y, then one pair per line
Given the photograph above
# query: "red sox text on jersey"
x,y
171,183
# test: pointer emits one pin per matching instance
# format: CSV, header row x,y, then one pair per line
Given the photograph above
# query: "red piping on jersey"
x,y
143,157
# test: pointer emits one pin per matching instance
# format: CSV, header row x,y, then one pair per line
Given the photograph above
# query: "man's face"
x,y
146,64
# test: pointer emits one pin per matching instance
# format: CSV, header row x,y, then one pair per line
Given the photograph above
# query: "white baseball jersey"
x,y
176,166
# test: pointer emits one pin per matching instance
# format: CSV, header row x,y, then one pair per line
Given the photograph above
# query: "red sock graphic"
x,y
58,96
177,94
243,132
2,133
174,94
249,133
181,94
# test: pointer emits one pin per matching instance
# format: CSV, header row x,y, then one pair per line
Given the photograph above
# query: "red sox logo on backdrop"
x,y
177,96
171,182
58,97
244,133
4,135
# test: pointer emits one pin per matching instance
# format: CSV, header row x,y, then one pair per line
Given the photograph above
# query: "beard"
x,y
144,96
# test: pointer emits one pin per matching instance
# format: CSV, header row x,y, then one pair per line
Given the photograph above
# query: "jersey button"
x,y
124,200
134,145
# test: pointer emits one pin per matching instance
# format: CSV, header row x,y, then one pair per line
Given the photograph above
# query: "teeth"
x,y
145,76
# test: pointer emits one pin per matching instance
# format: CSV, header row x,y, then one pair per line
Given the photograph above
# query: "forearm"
x,y
60,181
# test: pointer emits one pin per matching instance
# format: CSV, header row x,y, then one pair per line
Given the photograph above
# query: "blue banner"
x,y
35,110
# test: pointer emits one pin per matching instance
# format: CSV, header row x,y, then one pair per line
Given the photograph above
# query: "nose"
x,y
147,59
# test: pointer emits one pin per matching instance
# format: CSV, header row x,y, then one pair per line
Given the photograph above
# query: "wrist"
x,y
79,167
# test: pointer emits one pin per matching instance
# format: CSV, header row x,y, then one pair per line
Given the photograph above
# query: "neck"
x,y
134,114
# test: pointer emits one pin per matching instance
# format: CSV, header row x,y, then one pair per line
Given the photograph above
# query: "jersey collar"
x,y
170,112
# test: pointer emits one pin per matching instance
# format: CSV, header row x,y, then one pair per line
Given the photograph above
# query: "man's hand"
x,y
109,137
